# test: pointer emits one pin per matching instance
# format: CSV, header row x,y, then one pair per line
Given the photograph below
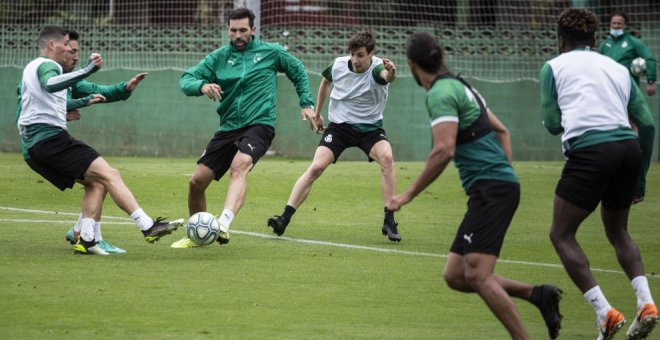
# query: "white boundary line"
x,y
297,240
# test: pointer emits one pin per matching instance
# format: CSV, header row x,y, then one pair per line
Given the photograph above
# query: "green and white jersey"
x,y
37,104
585,96
448,100
42,100
356,98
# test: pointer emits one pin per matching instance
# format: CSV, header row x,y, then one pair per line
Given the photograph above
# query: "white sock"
x,y
87,229
143,220
225,220
641,286
597,300
76,227
97,231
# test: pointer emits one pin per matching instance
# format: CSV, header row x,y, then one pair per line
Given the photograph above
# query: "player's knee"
x,y
315,171
453,280
197,184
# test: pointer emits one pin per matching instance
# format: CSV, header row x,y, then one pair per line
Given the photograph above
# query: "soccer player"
x,y
243,77
464,130
51,152
359,85
111,93
589,99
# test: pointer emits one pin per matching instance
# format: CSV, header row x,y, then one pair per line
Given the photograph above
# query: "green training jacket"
x,y
249,82
624,49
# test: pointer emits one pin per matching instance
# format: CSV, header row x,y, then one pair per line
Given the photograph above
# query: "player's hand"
x,y
308,113
96,59
212,91
650,89
319,123
390,67
72,115
398,201
96,98
133,83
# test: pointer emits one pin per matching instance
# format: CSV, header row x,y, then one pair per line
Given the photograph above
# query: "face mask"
x,y
616,32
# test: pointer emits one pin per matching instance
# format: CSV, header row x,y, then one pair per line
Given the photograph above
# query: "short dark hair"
x,y
73,35
577,26
242,13
365,39
50,32
424,50
619,13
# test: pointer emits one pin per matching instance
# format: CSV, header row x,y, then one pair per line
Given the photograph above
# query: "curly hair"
x,y
578,26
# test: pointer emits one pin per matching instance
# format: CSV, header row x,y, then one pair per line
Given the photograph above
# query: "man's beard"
x,y
419,82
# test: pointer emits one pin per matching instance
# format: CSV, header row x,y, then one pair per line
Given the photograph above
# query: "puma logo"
x,y
251,147
468,237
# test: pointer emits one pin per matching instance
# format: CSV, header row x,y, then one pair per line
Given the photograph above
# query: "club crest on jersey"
x,y
257,58
625,44
328,138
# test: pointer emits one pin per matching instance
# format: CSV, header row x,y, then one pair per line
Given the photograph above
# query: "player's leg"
x,y
479,275
323,157
252,143
336,138
381,152
199,181
615,209
586,176
101,172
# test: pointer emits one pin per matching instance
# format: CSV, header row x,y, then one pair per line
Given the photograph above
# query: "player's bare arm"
x,y
72,115
213,91
444,145
502,134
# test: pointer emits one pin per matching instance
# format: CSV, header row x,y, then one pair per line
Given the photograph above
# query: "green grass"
x,y
261,287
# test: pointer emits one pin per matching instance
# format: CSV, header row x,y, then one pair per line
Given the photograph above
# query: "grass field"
x,y
333,276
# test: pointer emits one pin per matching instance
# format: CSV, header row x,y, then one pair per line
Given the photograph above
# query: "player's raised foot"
x,y
612,325
644,322
72,236
391,231
278,223
223,237
110,248
161,228
88,248
184,243
546,298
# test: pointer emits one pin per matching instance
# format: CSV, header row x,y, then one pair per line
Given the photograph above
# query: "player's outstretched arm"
x,y
444,145
52,81
389,73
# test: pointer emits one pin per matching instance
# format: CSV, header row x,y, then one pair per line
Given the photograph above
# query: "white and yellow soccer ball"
x,y
202,228
638,66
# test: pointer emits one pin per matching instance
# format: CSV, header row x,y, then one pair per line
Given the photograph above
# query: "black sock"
x,y
389,217
288,212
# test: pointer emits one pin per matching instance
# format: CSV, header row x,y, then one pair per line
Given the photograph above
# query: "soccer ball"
x,y
638,66
202,228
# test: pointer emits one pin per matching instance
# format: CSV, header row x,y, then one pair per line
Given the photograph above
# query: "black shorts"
x,y
339,137
253,140
491,207
604,172
61,159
